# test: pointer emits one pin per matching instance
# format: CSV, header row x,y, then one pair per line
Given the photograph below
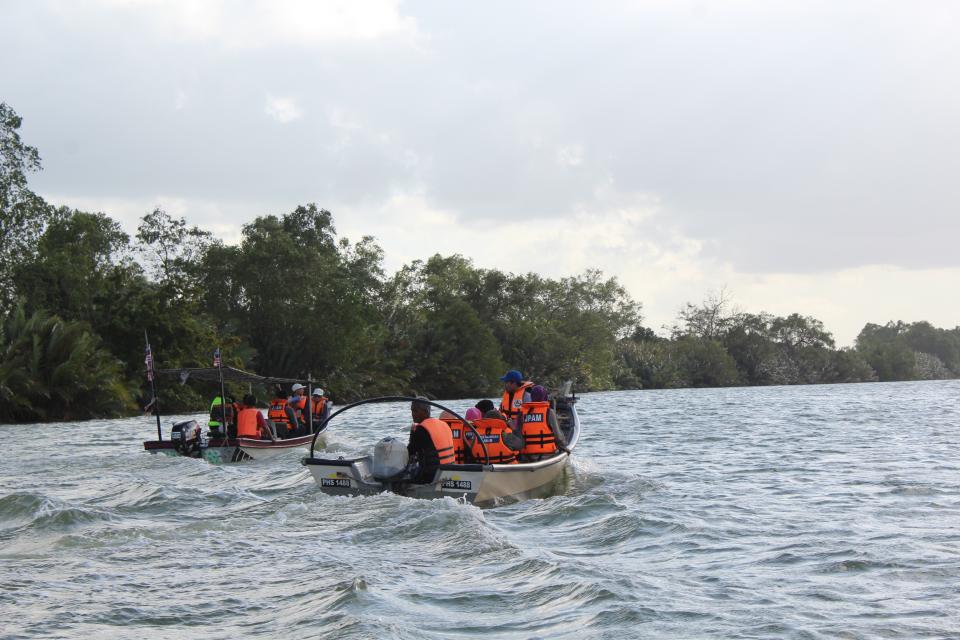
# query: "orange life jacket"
x,y
318,406
491,432
511,403
457,429
442,439
299,403
247,423
538,438
278,413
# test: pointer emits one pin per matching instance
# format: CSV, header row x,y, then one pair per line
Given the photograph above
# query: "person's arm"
x,y
292,417
555,427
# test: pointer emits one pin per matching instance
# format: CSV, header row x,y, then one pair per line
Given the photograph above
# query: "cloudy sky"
x,y
803,155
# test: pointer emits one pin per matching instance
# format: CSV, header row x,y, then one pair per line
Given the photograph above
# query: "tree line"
x,y
293,298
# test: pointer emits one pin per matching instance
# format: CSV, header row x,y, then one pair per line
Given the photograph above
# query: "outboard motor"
x,y
390,459
186,438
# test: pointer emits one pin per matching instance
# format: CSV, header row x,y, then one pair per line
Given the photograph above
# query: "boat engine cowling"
x,y
390,458
186,437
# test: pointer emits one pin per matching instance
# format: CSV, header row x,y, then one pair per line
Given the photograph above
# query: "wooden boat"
x,y
477,483
219,450
188,439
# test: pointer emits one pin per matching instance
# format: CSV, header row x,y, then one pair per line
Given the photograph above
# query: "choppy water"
x,y
799,512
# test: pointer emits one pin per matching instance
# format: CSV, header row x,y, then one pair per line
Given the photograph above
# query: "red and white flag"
x,y
148,360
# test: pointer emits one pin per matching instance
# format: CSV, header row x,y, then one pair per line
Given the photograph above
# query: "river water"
x,y
780,512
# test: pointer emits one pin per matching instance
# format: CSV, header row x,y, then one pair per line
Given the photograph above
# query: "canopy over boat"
x,y
480,483
230,374
187,438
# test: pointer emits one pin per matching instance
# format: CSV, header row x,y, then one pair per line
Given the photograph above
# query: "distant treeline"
x,y
292,299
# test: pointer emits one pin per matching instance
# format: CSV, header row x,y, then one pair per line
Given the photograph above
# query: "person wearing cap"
x,y
516,391
299,402
430,445
319,406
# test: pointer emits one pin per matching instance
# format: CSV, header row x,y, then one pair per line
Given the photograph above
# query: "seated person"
x,y
282,415
250,422
498,442
430,445
542,436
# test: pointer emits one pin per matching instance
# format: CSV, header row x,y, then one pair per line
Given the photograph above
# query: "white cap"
x,y
296,387
318,391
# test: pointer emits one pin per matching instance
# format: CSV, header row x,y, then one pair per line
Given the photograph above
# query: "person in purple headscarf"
x,y
539,394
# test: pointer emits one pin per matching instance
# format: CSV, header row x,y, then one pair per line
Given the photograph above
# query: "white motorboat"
x,y
477,483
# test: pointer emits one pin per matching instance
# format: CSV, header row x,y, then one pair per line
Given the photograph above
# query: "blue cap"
x,y
512,376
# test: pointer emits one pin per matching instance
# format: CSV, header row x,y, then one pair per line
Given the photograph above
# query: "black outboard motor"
x,y
186,438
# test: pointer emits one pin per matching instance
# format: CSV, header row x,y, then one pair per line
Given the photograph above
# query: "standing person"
x,y
542,436
320,407
250,422
430,445
282,415
516,391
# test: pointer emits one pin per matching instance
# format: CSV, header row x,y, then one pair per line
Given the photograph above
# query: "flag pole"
x,y
218,359
310,400
148,360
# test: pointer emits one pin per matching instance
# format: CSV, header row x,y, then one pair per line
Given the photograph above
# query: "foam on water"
x,y
805,512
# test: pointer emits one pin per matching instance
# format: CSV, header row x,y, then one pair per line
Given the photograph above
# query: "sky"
x,y
802,157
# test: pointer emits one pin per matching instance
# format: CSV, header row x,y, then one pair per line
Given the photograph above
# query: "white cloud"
x,y
265,23
570,156
283,110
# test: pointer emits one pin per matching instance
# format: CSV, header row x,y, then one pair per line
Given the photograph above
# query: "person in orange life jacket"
x,y
430,445
320,407
501,440
300,403
516,391
250,422
541,429
282,415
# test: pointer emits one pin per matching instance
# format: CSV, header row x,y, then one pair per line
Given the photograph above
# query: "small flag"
x,y
216,357
148,360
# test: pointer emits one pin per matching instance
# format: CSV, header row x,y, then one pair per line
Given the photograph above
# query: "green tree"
x,y
23,214
51,369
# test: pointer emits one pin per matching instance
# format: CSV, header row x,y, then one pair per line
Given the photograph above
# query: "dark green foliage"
x,y
23,214
917,351
53,369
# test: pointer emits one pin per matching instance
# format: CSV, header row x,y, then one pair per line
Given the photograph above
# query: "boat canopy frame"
x,y
230,374
383,399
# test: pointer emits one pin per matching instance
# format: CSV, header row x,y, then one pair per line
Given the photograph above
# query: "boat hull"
x,y
483,485
480,484
220,451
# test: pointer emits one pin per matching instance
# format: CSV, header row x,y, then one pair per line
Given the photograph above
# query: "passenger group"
x,y
524,429
287,416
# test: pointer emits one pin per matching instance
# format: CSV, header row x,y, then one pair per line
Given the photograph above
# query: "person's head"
x,y
278,392
420,409
493,413
249,400
538,393
511,380
318,393
446,415
473,413
485,405
298,389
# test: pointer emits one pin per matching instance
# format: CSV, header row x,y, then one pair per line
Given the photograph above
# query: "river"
x,y
778,512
